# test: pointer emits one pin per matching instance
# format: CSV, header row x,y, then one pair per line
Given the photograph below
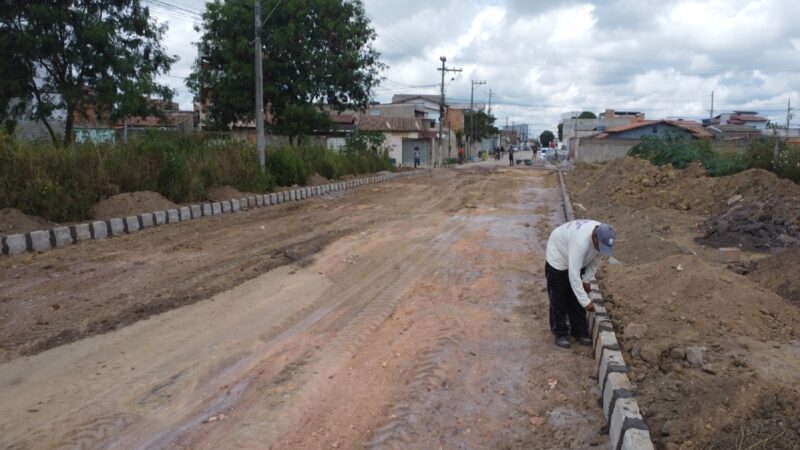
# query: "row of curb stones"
x,y
625,424
58,237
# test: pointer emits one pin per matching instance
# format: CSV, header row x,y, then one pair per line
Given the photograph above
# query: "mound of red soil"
x,y
14,221
131,203
222,193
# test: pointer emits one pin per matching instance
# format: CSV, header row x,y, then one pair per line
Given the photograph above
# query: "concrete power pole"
x,y
444,71
711,113
472,112
260,137
789,116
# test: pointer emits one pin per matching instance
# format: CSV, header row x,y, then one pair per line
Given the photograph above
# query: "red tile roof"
x,y
694,128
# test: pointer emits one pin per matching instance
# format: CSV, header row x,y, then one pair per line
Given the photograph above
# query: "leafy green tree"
x,y
587,115
484,125
546,138
66,57
298,121
315,51
560,131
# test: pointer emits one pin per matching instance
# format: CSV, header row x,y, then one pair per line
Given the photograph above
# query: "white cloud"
x,y
542,58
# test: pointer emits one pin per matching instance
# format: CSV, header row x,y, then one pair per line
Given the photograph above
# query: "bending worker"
x,y
574,250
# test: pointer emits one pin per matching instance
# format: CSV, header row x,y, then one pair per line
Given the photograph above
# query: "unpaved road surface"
x,y
406,315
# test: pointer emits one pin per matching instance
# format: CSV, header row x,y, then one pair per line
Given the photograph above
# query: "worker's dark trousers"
x,y
563,303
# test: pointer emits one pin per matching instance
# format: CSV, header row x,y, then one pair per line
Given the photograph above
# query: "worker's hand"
x,y
587,287
590,307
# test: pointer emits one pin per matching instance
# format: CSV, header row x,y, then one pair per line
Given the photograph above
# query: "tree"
x,y
298,121
321,52
561,131
72,56
484,125
546,138
587,115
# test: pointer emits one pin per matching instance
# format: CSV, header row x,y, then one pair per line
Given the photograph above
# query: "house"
x,y
572,126
89,127
615,142
429,104
747,118
733,132
402,135
658,128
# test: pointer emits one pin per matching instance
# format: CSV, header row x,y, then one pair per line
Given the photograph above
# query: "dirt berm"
x,y
715,355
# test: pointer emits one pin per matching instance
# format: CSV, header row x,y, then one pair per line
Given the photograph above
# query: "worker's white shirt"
x,y
570,248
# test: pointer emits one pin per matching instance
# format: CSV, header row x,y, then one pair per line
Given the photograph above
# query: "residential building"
x,y
615,142
572,126
89,127
748,118
402,135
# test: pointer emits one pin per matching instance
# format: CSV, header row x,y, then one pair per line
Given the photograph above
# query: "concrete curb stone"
x,y
196,211
185,213
626,427
160,218
38,241
61,237
207,209
173,216
14,244
227,206
216,208
81,232
147,220
131,224
116,226
99,229
236,205
259,201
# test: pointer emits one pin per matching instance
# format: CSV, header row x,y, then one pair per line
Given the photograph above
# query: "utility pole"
x,y
789,116
444,71
472,112
711,114
490,102
260,138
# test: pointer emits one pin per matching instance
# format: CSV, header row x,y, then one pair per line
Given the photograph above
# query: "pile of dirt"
x,y
700,338
316,180
222,193
780,274
130,203
14,221
753,209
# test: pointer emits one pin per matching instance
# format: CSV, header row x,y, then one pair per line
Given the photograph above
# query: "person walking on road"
x,y
511,156
573,256
416,156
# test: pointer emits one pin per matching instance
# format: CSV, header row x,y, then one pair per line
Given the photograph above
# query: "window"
x,y
655,130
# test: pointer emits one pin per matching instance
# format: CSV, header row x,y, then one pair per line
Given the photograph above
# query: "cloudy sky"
x,y
542,58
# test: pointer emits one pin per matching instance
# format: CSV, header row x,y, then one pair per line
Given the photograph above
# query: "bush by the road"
x,y
681,151
62,185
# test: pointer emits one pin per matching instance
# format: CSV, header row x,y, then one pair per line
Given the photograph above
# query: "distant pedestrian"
x,y
573,255
511,156
416,156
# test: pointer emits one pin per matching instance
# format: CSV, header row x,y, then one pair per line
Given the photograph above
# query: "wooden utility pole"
x,y
444,71
711,113
260,137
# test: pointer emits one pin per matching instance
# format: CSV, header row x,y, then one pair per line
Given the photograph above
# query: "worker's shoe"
x,y
585,341
562,341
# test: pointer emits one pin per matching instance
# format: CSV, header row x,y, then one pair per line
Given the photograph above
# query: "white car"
x,y
543,153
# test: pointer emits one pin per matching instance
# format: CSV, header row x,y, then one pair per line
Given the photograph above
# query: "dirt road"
x,y
405,315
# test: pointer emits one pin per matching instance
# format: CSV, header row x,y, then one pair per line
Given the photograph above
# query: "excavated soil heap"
x,y
15,221
222,193
753,209
781,273
130,203
701,339
316,180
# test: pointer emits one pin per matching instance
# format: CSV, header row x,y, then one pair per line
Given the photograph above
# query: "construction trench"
x,y
409,314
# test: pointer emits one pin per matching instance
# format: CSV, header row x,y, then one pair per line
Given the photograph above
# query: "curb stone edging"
x,y
64,236
625,425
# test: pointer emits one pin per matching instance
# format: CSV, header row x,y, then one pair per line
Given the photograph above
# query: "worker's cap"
x,y
606,235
